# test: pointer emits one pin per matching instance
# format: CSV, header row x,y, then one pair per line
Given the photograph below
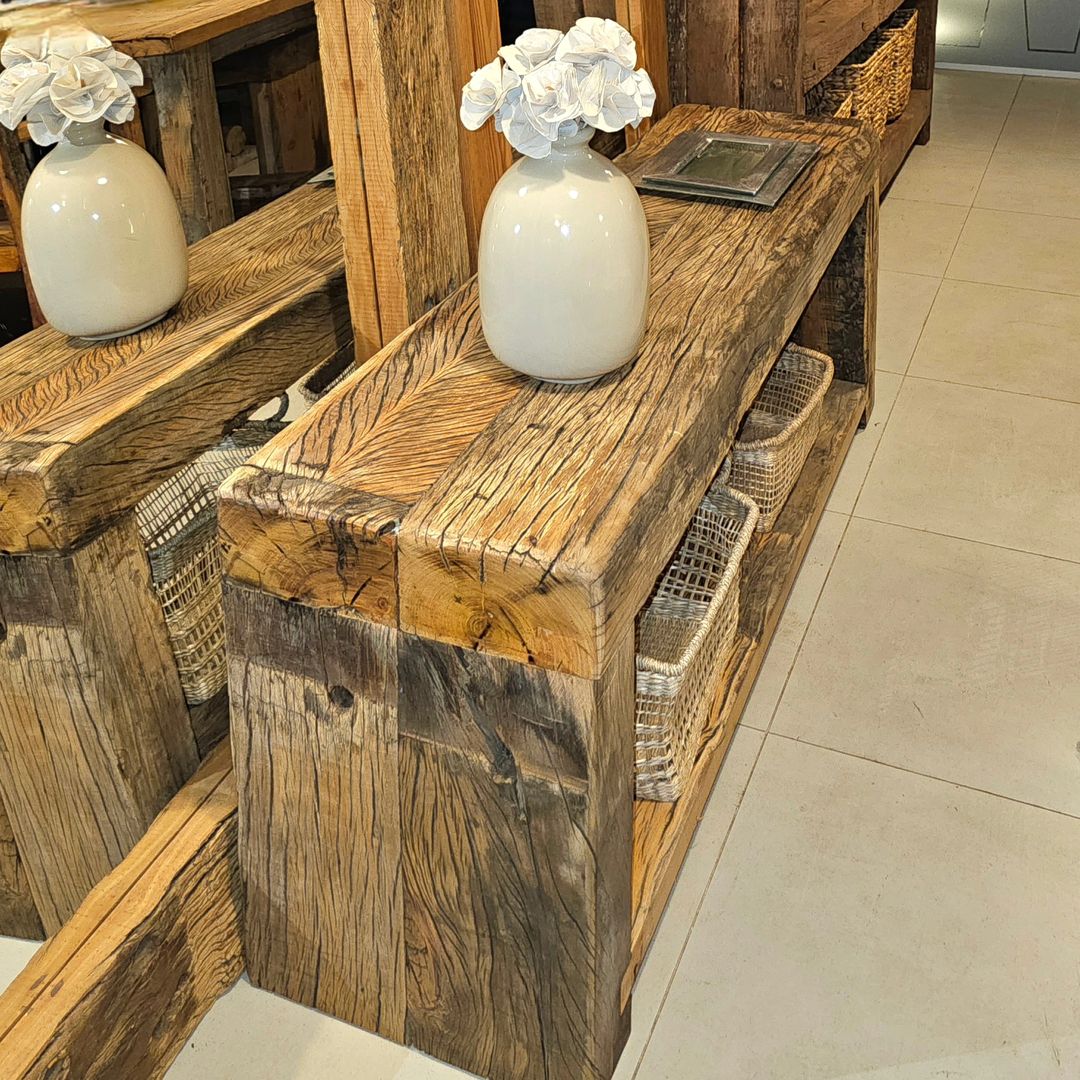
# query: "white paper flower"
x,y
610,97
84,90
591,39
548,83
21,88
551,93
531,49
484,93
62,76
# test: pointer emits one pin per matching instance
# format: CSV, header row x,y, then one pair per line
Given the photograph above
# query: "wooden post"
x,y
771,46
704,51
14,175
841,318
486,807
189,132
96,735
386,64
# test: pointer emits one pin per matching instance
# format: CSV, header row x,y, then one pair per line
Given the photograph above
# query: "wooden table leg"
x,y
189,132
95,735
436,844
841,318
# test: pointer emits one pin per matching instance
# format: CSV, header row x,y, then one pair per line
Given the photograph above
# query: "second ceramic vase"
x,y
104,245
564,265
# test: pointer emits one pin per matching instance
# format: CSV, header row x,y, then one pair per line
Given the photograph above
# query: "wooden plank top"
x,y
86,429
154,27
439,492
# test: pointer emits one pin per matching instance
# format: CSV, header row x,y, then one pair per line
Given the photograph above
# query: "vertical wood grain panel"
x,y
313,699
189,134
96,735
771,39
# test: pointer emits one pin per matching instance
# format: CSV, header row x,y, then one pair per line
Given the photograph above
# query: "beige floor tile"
x,y
972,676
941,173
15,954
250,1033
1026,251
864,918
986,88
904,301
1043,183
655,976
1045,117
1004,339
918,237
982,465
864,446
800,606
968,125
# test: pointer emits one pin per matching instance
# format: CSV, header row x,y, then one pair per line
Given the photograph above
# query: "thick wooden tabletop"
x,y
154,27
442,493
86,429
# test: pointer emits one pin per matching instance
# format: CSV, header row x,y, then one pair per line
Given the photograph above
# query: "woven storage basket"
x,y
684,638
779,430
899,31
867,74
178,525
823,100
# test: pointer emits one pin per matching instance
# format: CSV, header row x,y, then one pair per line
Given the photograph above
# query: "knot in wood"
x,y
341,696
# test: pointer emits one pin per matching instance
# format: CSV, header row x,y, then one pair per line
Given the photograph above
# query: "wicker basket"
x,y
684,637
178,524
779,430
824,100
899,32
867,74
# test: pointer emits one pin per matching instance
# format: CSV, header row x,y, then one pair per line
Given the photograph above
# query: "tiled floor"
x,y
886,884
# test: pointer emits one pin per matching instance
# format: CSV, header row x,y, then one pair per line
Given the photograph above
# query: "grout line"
x,y
700,904
968,540
998,284
925,776
993,389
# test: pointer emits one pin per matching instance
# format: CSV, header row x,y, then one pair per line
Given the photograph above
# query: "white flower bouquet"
x,y
549,84
64,75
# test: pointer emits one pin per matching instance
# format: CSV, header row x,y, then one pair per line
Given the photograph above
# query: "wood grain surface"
x,y
118,991
530,529
153,27
18,912
88,429
390,62
188,127
95,735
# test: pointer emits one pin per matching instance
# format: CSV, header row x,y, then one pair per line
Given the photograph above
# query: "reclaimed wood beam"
x,y
120,988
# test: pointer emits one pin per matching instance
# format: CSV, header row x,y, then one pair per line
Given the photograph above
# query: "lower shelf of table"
x,y
900,135
663,831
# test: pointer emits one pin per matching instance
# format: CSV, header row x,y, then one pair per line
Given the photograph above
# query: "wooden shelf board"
x,y
900,135
663,831
833,28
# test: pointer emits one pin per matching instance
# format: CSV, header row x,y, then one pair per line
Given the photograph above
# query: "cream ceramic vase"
x,y
564,265
102,235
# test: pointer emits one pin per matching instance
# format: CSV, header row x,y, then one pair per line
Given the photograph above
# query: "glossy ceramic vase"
x,y
102,236
564,265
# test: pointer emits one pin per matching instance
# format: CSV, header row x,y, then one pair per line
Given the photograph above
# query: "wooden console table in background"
x,y
432,584
177,42
95,733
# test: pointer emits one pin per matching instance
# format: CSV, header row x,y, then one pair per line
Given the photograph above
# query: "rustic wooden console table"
x,y
433,583
95,733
